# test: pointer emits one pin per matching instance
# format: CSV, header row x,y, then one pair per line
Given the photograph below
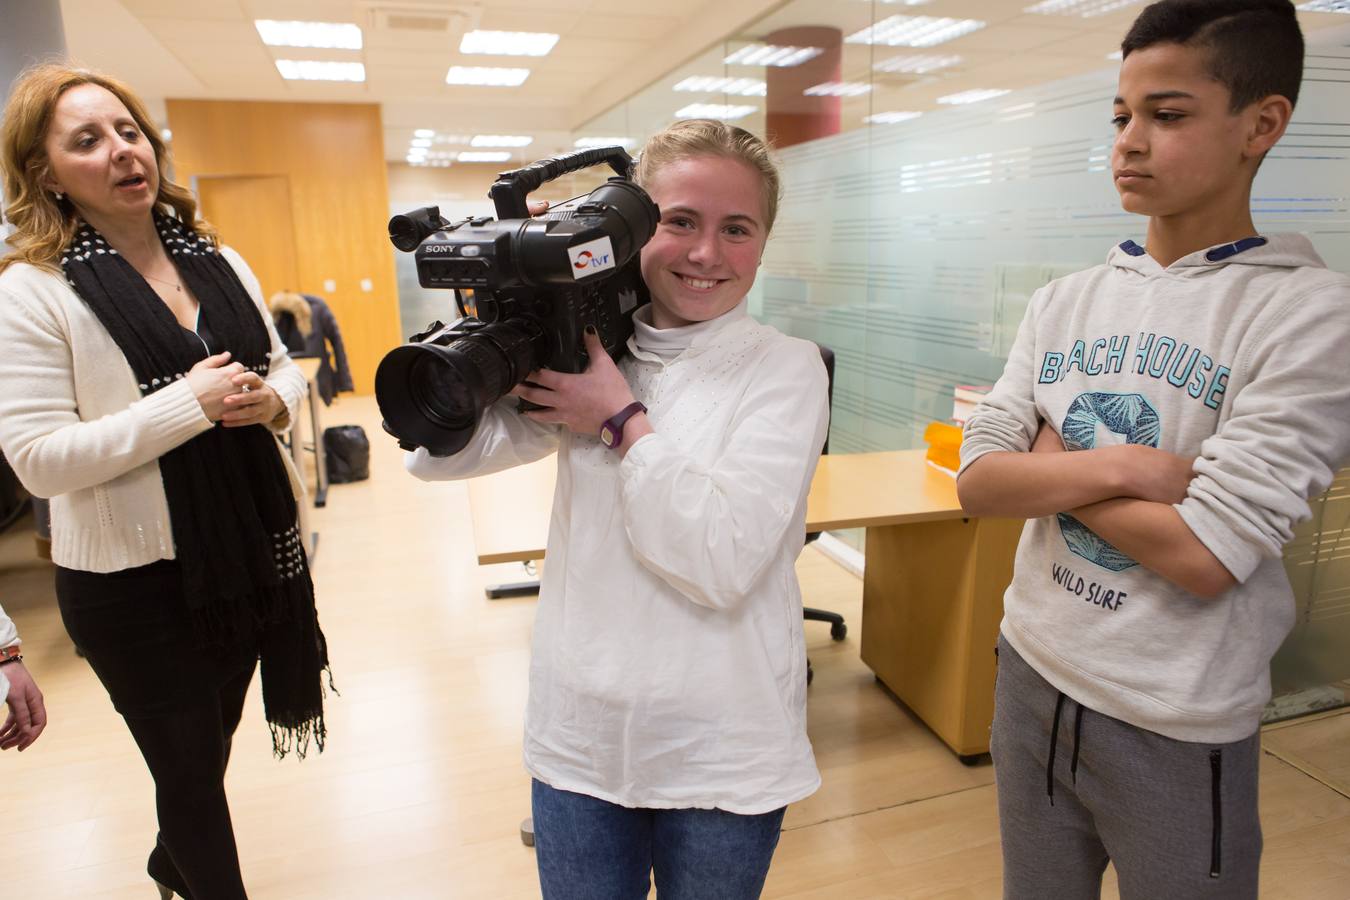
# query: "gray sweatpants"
x,y
1178,819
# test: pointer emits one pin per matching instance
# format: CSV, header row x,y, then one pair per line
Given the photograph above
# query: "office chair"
x,y
838,630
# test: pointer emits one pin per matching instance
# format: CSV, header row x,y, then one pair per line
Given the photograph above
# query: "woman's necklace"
x,y
176,285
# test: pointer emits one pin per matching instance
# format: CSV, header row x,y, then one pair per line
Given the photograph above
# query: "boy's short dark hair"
x,y
1255,47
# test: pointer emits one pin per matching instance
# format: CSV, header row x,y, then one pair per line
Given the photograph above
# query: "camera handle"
x,y
508,193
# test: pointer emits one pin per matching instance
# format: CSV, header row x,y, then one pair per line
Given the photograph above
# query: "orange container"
x,y
944,444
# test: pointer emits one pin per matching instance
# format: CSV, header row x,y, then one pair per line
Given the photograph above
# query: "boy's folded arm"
x,y
1155,536
998,476
1029,485
1281,445
1003,425
1288,433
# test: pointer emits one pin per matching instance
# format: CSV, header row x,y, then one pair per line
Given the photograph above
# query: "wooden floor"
x,y
421,791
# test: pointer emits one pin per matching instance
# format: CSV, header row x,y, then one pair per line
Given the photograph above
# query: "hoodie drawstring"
x,y
1077,742
1054,744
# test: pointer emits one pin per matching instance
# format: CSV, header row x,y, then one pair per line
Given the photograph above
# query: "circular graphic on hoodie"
x,y
1132,417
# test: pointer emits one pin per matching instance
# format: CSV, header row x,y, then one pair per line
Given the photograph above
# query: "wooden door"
x,y
253,215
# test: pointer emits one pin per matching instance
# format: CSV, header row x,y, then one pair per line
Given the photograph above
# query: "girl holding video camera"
x,y
666,724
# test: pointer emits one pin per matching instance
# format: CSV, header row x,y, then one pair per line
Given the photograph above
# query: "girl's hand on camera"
x,y
581,402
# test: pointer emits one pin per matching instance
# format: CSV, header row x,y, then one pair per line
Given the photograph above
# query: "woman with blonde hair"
x,y
140,386
666,723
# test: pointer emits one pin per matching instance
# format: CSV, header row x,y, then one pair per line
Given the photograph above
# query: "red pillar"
x,y
791,116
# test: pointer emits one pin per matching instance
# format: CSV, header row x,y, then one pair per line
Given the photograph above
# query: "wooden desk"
x,y
932,584
510,512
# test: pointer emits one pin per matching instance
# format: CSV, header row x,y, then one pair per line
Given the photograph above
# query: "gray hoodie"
x,y
1240,355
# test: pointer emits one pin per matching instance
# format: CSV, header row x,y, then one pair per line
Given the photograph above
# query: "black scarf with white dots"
x,y
246,579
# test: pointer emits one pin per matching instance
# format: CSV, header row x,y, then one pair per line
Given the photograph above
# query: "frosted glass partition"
x,y
1305,186
912,249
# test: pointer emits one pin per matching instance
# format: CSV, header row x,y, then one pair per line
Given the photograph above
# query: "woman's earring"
x,y
59,196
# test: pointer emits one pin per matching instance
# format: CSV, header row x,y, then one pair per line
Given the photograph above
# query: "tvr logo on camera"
x,y
591,257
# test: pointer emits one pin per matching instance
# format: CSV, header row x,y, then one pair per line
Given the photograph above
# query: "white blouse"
x,y
669,666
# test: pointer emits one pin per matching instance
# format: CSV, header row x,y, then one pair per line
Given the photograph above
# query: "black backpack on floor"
x,y
347,452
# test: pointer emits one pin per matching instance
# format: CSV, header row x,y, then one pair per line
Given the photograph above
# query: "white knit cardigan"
x,y
75,427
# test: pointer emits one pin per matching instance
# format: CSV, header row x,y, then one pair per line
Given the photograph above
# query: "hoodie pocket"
x,y
1216,809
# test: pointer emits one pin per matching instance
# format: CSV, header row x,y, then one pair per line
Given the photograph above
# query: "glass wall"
x,y
916,225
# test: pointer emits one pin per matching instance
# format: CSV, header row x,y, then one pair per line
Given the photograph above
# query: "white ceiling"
x,y
610,51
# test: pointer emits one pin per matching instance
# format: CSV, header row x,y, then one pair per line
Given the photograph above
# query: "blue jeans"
x,y
589,849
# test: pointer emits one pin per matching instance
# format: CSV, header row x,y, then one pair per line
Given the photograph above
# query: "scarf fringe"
x,y
296,737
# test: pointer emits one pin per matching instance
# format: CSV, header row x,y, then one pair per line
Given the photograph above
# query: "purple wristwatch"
x,y
611,432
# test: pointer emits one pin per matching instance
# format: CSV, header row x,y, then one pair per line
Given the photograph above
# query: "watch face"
x,y
607,435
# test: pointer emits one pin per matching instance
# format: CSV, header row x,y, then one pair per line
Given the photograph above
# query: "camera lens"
x,y
440,392
432,395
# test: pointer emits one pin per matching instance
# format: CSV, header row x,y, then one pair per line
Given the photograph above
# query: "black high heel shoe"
x,y
165,875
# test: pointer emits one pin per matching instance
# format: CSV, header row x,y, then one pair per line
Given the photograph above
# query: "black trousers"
x,y
182,703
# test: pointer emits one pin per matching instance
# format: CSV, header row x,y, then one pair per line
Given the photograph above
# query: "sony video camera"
x,y
537,283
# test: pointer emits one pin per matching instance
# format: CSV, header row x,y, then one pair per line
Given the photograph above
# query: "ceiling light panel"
x,y
501,140
421,142
491,156
328,35
891,118
1085,9
916,63
914,31
424,132
772,55
714,111
508,43
975,96
486,76
1326,6
740,87
320,70
838,89
586,143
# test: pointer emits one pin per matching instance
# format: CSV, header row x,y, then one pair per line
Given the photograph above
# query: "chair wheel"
x,y
810,673
838,631
970,759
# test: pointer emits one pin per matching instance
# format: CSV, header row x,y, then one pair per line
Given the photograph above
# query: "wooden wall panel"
x,y
253,215
332,156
